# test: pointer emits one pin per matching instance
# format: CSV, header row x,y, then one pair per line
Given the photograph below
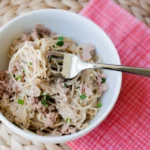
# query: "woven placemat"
x,y
11,141
9,9
139,8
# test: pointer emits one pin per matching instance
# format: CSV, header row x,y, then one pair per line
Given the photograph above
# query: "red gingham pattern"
x,y
128,125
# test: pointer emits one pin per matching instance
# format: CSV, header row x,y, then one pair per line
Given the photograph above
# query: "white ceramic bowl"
x,y
81,30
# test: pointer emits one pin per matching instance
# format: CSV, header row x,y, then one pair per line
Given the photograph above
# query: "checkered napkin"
x,y
127,127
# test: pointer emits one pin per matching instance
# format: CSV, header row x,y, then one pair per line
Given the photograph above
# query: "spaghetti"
x,y
37,100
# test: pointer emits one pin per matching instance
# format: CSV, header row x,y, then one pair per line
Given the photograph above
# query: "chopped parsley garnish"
x,y
30,63
103,80
50,58
60,43
53,46
44,102
60,38
18,78
24,70
20,101
68,120
65,85
83,96
14,75
99,104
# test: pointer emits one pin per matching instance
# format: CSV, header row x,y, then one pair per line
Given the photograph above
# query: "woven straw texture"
x,y
139,8
12,8
9,9
11,141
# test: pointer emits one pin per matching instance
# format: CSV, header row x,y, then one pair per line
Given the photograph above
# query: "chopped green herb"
x,y
99,104
24,70
65,85
103,80
53,46
18,78
20,101
68,120
14,75
47,97
60,38
50,58
30,63
44,102
83,96
60,43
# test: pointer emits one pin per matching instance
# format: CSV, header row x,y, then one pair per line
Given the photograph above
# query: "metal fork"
x,y
71,66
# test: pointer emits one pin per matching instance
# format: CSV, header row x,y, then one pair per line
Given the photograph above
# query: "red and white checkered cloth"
x,y
128,125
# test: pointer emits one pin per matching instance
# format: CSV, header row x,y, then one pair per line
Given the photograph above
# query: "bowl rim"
x,y
66,138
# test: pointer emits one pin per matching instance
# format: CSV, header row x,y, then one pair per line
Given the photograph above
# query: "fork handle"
x,y
134,70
